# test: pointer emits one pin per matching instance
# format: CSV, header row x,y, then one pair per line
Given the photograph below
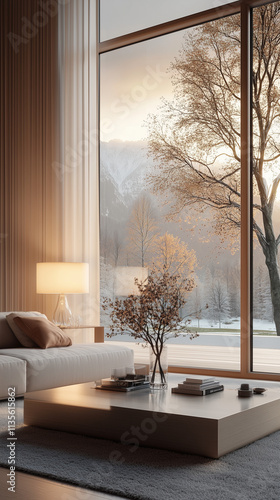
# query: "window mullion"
x,y
245,335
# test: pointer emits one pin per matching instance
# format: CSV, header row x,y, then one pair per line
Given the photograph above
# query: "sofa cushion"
x,y
7,338
41,332
20,336
76,364
12,374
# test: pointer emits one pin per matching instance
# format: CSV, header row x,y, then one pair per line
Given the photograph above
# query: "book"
x,y
200,387
203,384
198,380
197,392
123,382
119,388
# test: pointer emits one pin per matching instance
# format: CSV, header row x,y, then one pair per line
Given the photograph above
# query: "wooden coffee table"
x,y
210,425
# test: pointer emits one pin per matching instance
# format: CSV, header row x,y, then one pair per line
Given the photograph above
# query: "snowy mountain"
x,y
123,168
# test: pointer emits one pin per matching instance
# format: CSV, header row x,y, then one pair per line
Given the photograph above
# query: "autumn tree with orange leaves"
x,y
172,255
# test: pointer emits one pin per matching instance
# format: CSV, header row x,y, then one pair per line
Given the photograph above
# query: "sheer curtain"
x,y
49,179
78,165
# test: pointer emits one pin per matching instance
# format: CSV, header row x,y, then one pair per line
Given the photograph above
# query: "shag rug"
x,y
251,473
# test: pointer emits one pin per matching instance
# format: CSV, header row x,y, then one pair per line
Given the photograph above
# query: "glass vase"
x,y
158,367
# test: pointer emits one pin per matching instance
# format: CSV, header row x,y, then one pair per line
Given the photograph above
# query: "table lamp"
x,y
62,278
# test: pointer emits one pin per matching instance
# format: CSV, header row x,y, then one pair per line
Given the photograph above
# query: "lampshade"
x,y
62,277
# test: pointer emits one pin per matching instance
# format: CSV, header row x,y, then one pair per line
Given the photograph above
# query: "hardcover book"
x,y
120,388
123,382
197,392
199,387
199,380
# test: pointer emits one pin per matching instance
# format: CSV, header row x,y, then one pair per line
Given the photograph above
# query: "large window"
x,y
170,180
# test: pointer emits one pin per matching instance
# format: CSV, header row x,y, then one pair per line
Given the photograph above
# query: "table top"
x,y
214,406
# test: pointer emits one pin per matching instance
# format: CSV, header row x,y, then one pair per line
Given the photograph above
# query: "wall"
x,y
48,208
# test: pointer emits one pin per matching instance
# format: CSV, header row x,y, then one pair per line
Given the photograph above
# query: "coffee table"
x,y
210,425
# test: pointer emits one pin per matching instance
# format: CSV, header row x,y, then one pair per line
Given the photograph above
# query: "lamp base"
x,y
62,315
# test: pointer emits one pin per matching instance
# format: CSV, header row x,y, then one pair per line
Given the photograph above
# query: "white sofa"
x,y
32,369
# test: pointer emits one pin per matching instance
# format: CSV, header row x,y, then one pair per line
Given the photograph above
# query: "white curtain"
x,y
49,174
77,168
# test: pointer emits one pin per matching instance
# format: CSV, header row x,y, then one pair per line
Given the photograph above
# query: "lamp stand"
x,y
62,315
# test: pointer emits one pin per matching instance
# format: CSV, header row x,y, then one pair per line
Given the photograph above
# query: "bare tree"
x,y
261,302
195,139
197,305
117,246
142,228
218,303
105,247
231,276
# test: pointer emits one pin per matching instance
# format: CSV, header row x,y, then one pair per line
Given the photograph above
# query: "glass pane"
x,y
120,17
170,181
266,193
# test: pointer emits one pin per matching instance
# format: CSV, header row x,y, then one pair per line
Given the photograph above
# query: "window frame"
x,y
244,8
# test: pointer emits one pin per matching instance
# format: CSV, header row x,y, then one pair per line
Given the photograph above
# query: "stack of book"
x,y
125,384
198,386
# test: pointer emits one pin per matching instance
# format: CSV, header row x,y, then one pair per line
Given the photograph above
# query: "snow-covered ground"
x,y
233,324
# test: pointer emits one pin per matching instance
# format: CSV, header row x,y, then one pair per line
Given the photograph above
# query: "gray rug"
x,y
251,473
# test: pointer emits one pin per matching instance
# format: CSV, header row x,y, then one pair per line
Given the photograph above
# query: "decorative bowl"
x,y
259,390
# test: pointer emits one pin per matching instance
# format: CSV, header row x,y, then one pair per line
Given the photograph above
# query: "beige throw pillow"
x,y
41,332
8,339
21,337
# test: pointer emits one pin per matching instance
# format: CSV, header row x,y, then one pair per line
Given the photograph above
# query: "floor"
x,y
30,487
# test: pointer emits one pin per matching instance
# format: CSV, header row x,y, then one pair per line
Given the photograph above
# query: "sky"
x,y
132,81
